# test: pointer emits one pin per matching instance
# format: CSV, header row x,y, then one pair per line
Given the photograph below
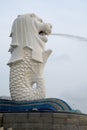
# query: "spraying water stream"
x,y
70,36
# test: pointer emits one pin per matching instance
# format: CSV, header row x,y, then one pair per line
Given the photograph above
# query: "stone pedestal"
x,y
44,114
45,121
1,119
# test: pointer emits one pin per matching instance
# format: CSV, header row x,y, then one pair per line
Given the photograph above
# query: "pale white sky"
x,y
66,69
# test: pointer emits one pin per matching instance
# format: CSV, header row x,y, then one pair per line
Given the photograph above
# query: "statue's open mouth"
x,y
43,35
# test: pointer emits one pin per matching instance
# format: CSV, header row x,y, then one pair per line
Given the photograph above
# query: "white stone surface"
x,y
28,57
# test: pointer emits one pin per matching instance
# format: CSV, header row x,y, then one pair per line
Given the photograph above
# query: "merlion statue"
x,y
28,57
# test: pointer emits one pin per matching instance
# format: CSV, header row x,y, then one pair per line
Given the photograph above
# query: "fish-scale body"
x,y
26,79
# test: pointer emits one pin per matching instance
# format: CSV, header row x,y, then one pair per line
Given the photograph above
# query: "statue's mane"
x,y
24,33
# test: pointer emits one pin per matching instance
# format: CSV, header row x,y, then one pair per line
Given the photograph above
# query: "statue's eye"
x,y
32,15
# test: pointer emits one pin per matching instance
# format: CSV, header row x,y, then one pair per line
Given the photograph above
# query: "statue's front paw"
x,y
46,55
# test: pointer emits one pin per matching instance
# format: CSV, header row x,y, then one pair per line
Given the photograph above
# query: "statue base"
x,y
46,114
43,121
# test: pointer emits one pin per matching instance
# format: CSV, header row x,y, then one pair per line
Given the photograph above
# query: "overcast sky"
x,y
66,69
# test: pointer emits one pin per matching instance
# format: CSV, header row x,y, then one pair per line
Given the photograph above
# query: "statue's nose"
x,y
50,25
50,28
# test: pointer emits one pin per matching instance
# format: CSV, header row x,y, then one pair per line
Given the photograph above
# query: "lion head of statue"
x,y
30,31
41,28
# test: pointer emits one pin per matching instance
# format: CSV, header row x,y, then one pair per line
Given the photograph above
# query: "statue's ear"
x,y
19,15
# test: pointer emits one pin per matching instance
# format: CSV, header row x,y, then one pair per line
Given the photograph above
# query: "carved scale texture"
x,y
26,79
